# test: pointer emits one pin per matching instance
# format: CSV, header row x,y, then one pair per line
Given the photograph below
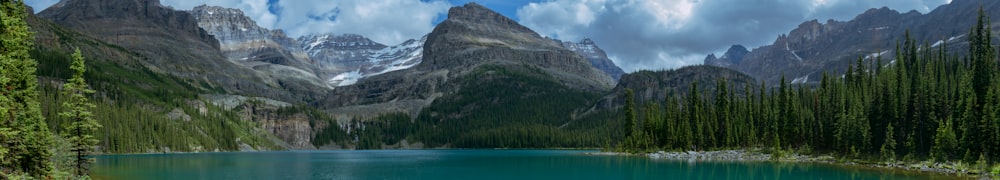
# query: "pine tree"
x,y
82,126
24,136
982,55
945,143
722,109
970,135
630,114
889,145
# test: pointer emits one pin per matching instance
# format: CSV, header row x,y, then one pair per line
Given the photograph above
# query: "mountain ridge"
x,y
169,41
813,47
472,37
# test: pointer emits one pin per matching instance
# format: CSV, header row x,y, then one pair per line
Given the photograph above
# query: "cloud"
x,y
385,21
659,34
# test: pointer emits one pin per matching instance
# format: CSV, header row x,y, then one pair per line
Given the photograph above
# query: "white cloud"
x,y
658,34
384,21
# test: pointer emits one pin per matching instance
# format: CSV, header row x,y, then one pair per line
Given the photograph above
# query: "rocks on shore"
x,y
755,155
727,155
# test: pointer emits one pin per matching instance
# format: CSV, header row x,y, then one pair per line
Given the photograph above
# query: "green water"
x,y
458,164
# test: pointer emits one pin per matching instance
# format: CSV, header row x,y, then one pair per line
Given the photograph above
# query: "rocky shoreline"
x,y
956,169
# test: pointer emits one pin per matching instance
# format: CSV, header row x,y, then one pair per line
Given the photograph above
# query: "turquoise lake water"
x,y
459,164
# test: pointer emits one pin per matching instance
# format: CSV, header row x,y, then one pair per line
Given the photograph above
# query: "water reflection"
x,y
459,164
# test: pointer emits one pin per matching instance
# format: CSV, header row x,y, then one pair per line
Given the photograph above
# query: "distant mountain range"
x,y
803,54
478,75
337,59
236,64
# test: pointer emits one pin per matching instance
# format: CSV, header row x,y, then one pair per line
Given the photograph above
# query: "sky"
x,y
636,34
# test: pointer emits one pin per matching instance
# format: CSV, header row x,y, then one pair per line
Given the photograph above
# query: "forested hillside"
x,y
141,110
925,104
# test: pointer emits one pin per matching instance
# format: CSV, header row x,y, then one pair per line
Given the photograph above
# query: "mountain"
x,y
473,39
803,54
732,56
270,52
170,41
655,86
347,58
597,57
143,108
315,60
339,53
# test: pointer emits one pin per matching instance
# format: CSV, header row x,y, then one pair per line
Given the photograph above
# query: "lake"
x,y
459,164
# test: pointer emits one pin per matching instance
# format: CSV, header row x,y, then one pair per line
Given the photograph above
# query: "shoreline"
x,y
948,168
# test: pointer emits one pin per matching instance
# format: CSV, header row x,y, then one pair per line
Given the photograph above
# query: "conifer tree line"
x,y
925,104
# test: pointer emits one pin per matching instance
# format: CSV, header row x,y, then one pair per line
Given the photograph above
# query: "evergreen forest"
x,y
925,104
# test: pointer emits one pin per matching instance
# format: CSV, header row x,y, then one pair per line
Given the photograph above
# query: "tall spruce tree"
x,y
888,149
24,136
630,114
82,126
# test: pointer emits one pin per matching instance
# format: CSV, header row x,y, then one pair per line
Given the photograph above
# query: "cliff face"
x,y
241,40
597,57
268,52
295,130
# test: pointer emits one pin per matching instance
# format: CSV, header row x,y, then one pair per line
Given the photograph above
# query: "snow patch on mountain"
x,y
800,80
344,79
793,52
351,58
878,54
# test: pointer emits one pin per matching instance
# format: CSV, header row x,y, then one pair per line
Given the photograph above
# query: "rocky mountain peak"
x,y
710,57
736,53
474,11
269,52
340,42
597,57
227,24
208,11
480,18
475,31
877,12
732,56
